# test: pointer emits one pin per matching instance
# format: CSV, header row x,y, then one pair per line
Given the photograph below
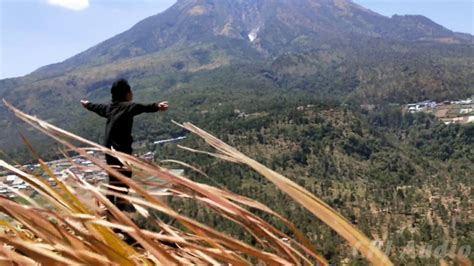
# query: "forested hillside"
x,y
403,179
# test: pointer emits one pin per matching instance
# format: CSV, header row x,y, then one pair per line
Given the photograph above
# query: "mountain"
x,y
262,27
328,48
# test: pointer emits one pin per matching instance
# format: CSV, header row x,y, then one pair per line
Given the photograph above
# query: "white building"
x,y
418,107
466,110
17,182
11,178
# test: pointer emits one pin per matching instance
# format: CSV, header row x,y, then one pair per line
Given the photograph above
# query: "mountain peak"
x,y
265,27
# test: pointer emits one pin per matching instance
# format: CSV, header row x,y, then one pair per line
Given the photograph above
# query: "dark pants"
x,y
121,204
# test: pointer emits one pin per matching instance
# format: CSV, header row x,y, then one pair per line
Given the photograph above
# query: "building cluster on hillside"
x,y
12,182
450,112
62,169
421,106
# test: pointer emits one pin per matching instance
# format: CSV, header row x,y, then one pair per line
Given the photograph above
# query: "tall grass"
x,y
71,230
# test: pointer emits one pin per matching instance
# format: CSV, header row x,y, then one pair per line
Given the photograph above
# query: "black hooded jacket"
x,y
118,129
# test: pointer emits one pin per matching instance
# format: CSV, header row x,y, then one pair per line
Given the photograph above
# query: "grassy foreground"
x,y
72,231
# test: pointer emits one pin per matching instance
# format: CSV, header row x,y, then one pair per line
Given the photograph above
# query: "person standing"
x,y
118,129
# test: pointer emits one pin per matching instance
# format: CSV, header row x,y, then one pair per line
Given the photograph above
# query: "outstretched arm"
x,y
100,109
137,108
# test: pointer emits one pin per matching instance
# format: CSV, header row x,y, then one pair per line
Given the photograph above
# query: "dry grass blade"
x,y
42,255
305,243
65,205
315,205
253,224
229,242
11,257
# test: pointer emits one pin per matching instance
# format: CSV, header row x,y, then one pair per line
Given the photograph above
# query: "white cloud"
x,y
75,5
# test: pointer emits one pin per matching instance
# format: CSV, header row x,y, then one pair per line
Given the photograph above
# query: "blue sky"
x,y
34,33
